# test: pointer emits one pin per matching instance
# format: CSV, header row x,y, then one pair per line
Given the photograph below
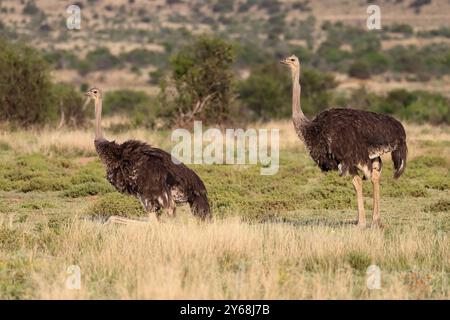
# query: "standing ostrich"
x,y
148,173
350,141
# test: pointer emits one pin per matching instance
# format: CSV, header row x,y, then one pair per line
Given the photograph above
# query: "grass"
x,y
284,236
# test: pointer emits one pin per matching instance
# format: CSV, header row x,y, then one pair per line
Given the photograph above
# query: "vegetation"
x,y
417,106
290,235
201,73
53,208
26,78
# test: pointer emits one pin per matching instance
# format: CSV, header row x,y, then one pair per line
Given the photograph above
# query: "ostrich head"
x,y
292,62
94,93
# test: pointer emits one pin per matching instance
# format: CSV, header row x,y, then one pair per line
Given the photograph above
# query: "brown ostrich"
x,y
350,141
148,173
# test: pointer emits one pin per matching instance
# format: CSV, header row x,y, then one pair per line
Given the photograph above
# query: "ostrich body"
x,y
350,141
148,173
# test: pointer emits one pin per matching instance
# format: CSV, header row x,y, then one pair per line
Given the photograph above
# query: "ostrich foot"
x,y
124,221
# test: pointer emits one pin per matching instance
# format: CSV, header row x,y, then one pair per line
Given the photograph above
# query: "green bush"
x,y
441,32
25,86
62,59
429,107
360,70
116,204
137,105
223,6
101,59
123,101
143,57
70,102
266,92
416,106
403,28
31,8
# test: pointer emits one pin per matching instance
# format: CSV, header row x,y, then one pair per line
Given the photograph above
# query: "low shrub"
x,y
116,204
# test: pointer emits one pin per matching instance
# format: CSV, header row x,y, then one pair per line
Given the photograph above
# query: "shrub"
x,y
441,32
403,28
25,87
429,107
70,104
124,100
143,57
223,6
271,6
155,76
112,204
266,92
138,106
360,70
101,59
417,106
30,8
62,59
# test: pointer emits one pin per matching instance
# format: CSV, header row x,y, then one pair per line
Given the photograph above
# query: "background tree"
x,y
27,95
25,86
203,80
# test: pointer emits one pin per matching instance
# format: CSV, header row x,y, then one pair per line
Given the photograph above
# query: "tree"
x,y
27,95
25,86
203,79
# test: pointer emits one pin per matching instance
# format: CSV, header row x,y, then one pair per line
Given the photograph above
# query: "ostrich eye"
x,y
95,91
292,59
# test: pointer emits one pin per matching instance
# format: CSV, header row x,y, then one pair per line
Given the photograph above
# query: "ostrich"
x,y
350,141
148,173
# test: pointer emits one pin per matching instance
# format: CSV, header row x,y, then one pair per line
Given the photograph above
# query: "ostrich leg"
x,y
171,208
153,214
122,220
357,183
376,174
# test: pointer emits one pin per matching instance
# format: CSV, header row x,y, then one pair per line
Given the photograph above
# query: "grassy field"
x,y
286,236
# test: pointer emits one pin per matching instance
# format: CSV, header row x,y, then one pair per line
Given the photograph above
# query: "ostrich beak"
x,y
284,61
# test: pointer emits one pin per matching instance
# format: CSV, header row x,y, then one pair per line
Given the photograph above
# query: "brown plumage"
x,y
149,173
350,141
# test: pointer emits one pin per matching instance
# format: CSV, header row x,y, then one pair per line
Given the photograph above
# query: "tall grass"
x,y
229,259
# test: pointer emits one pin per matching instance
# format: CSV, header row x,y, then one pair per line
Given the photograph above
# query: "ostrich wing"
x,y
352,136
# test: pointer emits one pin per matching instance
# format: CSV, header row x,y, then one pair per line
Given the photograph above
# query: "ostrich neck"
x,y
98,120
298,116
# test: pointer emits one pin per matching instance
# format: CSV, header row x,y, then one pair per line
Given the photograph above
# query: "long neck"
x,y
298,116
98,120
